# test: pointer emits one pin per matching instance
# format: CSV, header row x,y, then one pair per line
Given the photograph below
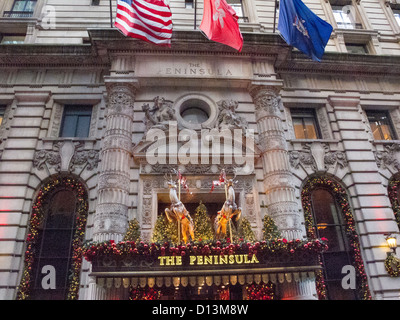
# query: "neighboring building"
x,y
78,100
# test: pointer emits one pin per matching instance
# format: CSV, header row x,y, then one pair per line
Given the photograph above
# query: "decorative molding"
x,y
318,156
66,155
389,157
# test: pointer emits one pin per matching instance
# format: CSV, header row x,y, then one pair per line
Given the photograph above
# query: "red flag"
x,y
220,24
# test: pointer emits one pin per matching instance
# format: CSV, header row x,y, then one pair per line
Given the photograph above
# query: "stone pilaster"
x,y
367,194
111,218
282,204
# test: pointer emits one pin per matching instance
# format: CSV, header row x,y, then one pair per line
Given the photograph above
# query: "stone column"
x,y
111,218
282,204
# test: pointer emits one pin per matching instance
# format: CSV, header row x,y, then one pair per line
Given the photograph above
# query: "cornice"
x,y
106,43
336,63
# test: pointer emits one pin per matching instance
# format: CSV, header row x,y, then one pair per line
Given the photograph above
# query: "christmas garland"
x,y
392,192
37,217
261,291
92,250
341,199
138,293
392,265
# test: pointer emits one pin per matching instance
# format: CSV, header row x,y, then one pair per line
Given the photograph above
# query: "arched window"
x,y
327,214
56,232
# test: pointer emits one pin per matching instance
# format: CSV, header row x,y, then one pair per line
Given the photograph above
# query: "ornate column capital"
x,y
266,99
121,93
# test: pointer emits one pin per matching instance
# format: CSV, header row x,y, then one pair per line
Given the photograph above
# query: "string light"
x,y
340,196
37,218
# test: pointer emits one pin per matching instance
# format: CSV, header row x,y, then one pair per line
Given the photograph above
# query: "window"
x,y
345,17
12,39
356,48
305,124
2,112
76,121
195,111
95,2
328,222
189,4
53,243
55,239
237,5
21,9
381,125
396,13
24,5
194,115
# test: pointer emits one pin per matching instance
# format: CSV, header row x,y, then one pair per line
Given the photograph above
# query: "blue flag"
x,y
303,29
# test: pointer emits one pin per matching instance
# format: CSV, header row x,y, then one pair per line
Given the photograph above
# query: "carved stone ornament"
x,y
227,118
318,156
266,100
159,115
389,157
65,156
121,100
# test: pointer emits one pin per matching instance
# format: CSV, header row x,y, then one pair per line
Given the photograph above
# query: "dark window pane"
x,y
55,245
83,126
76,121
68,128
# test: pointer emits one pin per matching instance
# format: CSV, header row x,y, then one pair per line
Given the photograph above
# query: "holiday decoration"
x,y
392,265
261,291
133,233
202,224
146,293
228,210
393,191
177,211
37,217
270,230
244,230
165,231
263,249
341,199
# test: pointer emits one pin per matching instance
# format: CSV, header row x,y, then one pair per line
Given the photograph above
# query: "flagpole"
x,y
195,14
276,5
111,16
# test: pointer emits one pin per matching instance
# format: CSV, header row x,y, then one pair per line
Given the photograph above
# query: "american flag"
x,y
148,20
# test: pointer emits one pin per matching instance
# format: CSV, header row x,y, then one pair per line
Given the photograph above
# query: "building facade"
x,y
92,122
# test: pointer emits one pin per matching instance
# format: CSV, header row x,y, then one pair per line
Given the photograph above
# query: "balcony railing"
x,y
17,14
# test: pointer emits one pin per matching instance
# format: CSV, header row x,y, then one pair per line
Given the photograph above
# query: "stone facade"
x,y
81,60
